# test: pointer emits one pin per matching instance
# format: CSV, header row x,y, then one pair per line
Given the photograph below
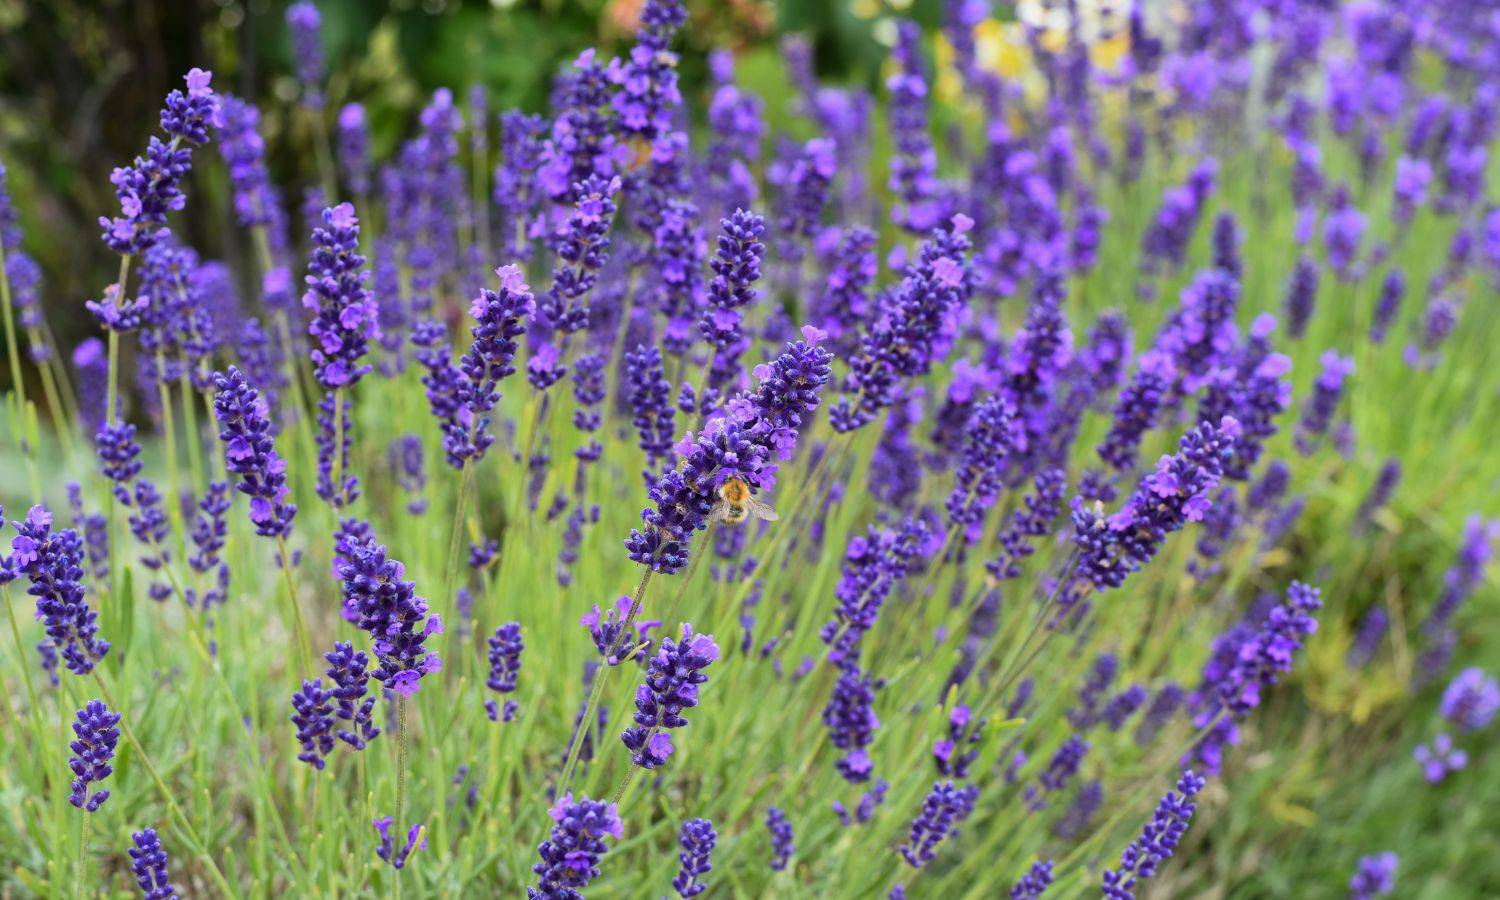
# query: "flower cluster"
x,y
344,313
571,853
379,601
148,189
1157,841
672,683
95,736
250,452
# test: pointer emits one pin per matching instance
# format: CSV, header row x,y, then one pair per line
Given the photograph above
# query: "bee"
x,y
735,504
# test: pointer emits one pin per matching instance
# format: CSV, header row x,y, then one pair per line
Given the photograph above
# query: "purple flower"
x,y
347,490
1034,883
250,452
581,245
736,267
737,443
1343,229
571,853
1387,305
305,24
850,717
649,393
148,189
1317,414
1413,176
1164,245
312,713
1136,410
1042,507
874,564
1375,876
505,663
1301,295
957,751
1201,333
697,840
990,438
1061,769
646,80
490,359
1163,707
844,301
782,847
406,462
1157,841
1471,700
516,180
354,148
53,562
1440,760
671,685
243,149
93,752
149,863
804,179
912,331
606,629
1246,661
379,601
354,705
1110,548
922,200
343,309
543,369
119,456
91,371
582,142
945,808
416,838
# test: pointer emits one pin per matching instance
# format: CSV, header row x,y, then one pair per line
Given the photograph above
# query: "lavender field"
x,y
594,448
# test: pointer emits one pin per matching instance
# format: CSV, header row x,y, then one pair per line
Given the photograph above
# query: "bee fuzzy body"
x,y
736,504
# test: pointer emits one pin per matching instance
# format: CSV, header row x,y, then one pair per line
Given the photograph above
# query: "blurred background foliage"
x,y
81,82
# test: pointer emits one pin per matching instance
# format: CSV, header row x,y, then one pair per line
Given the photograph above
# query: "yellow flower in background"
x,y
949,87
1000,47
1107,52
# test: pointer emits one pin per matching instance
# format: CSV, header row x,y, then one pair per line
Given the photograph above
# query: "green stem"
x,y
83,853
36,712
400,776
304,644
10,332
113,387
598,689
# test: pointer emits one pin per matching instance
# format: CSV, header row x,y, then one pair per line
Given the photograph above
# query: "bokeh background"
x,y
77,79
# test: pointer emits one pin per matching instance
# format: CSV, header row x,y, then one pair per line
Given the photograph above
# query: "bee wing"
x,y
719,512
761,511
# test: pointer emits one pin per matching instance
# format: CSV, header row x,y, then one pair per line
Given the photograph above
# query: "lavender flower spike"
x,y
1374,877
93,752
697,840
672,680
250,452
379,601
53,562
1157,841
571,853
343,308
149,863
945,808
149,188
505,666
782,847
